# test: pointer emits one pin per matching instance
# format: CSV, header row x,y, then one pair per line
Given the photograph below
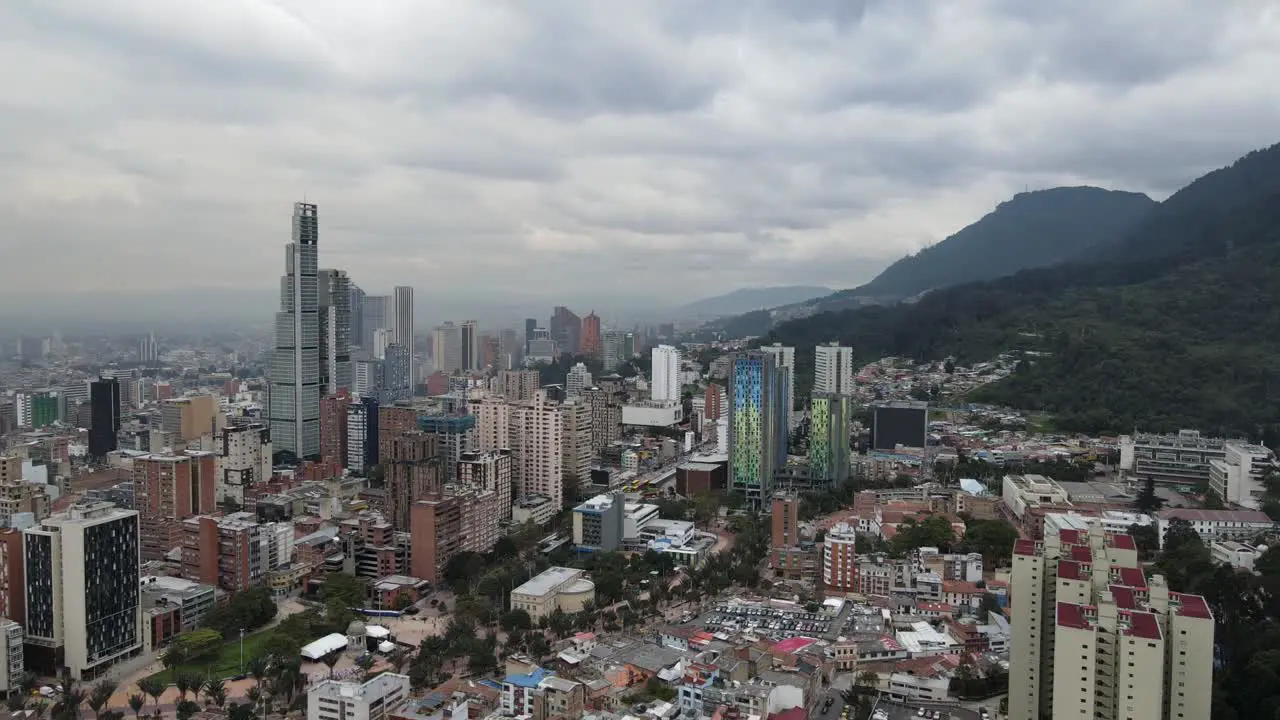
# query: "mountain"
x,y
746,300
1172,325
1033,229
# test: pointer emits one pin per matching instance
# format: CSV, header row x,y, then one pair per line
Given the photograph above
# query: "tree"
x,y
100,696
516,620
152,687
482,662
194,645
69,701
137,701
989,604
994,539
331,661
185,709
1147,500
215,691
1146,538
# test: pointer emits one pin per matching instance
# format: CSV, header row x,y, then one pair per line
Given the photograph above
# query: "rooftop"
x,y
1142,624
1071,570
1193,515
531,680
547,581
1131,577
1071,615
1193,606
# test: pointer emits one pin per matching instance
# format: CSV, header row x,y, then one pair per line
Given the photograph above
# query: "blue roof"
x,y
532,680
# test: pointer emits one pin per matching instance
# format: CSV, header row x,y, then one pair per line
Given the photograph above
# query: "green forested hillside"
x,y
1186,339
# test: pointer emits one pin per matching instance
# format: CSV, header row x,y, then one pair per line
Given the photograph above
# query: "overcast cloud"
x,y
646,147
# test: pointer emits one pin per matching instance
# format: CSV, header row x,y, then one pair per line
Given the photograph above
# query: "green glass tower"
x,y
829,438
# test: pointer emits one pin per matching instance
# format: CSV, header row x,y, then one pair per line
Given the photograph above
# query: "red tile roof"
x,y
1024,547
796,713
1143,625
1132,577
1072,616
1071,570
1125,597
1122,542
795,644
1192,606
1072,537
961,587
1082,554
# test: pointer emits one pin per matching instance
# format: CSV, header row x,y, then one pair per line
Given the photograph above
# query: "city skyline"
x,y
665,166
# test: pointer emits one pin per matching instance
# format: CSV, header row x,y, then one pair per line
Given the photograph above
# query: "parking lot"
x,y
885,710
765,619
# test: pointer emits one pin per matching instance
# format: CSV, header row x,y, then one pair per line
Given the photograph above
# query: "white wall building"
x,y
833,370
343,700
653,414
666,374
1213,525
578,379
11,666
1236,554
1237,478
1021,491
243,455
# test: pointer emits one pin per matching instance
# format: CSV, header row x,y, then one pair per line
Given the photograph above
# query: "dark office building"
x,y
566,330
104,418
904,423
530,324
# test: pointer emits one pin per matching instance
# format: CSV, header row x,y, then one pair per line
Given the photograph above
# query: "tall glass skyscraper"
x,y
293,403
335,331
758,407
829,438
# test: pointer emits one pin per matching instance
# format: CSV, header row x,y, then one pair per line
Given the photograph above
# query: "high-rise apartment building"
x,y
1092,637
410,469
403,296
591,343
518,385
244,459
397,379
829,438
333,427
13,579
577,443
378,313
758,404
362,436
833,370
665,385
577,380
606,401
534,433
168,489
612,353
785,358
493,424
17,495
223,551
566,330
104,423
489,470
192,417
355,303
470,347
840,560
334,317
717,401
83,598
446,346
456,436
293,400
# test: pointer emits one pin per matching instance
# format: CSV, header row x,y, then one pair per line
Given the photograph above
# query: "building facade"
x,y
334,321
104,423
293,401
829,439
833,370
758,410
665,384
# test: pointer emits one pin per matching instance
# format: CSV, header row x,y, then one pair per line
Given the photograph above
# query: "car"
x,y
920,713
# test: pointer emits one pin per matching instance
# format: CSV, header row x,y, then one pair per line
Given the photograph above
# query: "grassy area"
x,y
226,661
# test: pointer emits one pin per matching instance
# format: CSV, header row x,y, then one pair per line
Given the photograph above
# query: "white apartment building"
x,y
785,357
344,700
1113,521
1022,491
1213,525
534,433
578,379
833,370
1092,638
666,374
11,665
243,458
82,590
1237,477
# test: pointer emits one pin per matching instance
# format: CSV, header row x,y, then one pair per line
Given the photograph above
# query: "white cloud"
x,y
589,147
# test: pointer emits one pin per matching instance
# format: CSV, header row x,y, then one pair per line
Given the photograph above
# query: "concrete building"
x,y
490,470
759,403
1022,491
598,523
455,434
377,312
1236,554
469,343
1212,525
17,495
592,341
446,343
537,448
1091,637
192,417
840,560
83,600
293,400
577,443
1179,461
518,386
374,699
606,399
653,413
565,588
362,436
833,370
784,358
536,509
12,667
665,383
244,454
578,379
168,489
333,427
104,413
566,330
1237,478
411,470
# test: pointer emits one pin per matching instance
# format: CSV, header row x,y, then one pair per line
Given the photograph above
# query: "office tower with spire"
x,y
335,331
293,400
833,370
403,304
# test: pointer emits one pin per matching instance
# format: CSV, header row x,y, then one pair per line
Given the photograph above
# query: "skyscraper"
x,y
758,403
293,400
470,347
566,329
529,325
833,369
829,438
404,322
334,315
611,354
396,383
377,313
577,380
591,342
785,357
104,426
447,348
356,305
665,385
149,351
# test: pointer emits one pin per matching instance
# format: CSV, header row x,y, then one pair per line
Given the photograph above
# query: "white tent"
x,y
325,645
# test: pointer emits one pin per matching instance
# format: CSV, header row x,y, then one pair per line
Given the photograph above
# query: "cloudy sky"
x,y
482,146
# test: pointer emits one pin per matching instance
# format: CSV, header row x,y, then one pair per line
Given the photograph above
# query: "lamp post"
x,y
241,651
